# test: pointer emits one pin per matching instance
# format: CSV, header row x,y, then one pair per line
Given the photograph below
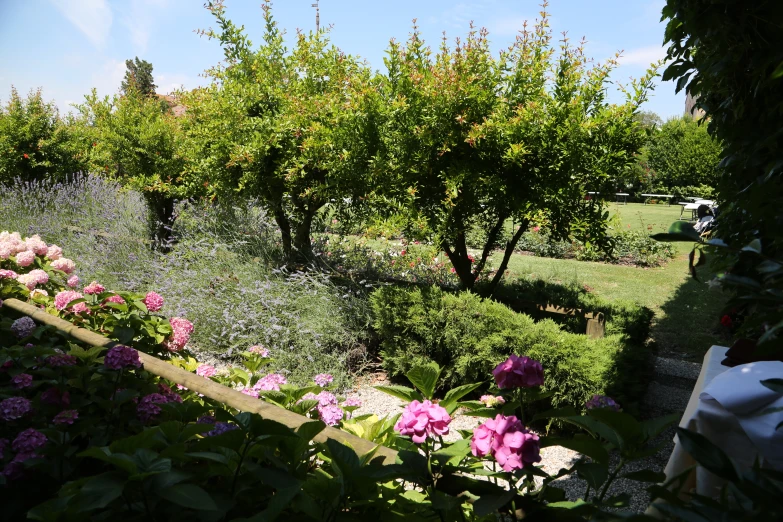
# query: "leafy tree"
x,y
648,119
138,77
682,153
137,144
294,128
729,56
473,141
35,142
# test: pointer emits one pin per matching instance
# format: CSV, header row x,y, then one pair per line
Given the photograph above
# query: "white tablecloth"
x,y
718,409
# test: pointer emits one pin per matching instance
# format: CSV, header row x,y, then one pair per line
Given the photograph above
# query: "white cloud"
x,y
108,77
168,83
139,17
643,56
92,17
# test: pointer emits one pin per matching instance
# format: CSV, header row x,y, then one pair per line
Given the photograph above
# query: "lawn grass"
x,y
687,312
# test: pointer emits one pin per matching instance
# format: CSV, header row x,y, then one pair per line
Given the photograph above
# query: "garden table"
x,y
724,408
668,197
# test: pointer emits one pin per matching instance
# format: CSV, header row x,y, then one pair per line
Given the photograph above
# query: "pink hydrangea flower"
x,y
153,301
270,382
28,441
61,299
14,408
54,252
490,401
121,356
518,372
8,274
506,439
64,264
420,420
38,293
353,402
73,281
80,308
25,258
259,350
115,299
23,380
182,330
6,250
66,417
206,370
251,392
27,280
331,414
94,288
323,379
36,245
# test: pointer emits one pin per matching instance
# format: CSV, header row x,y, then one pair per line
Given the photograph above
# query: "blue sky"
x,y
68,47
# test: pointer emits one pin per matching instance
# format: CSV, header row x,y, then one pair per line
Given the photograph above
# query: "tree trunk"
x,y
285,231
510,245
303,246
161,219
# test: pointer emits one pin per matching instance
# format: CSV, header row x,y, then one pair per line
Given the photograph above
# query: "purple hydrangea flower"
x,y
323,379
206,419
66,417
55,398
121,356
602,401
61,359
353,402
148,408
331,414
221,428
14,408
28,441
23,380
23,327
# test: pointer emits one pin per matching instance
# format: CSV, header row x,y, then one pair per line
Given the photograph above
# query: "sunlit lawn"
x,y
687,312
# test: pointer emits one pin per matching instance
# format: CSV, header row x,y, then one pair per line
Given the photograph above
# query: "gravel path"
x,y
668,393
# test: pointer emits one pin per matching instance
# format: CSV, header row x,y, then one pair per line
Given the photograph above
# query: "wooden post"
x,y
207,387
596,326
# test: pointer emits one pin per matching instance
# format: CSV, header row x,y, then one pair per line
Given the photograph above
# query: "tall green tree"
x,y
35,141
136,143
138,77
295,128
474,140
682,153
729,56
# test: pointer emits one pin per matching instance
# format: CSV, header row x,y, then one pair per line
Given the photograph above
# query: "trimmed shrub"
x,y
622,317
468,336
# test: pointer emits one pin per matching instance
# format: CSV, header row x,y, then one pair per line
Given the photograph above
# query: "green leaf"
x,y
557,413
343,457
99,491
627,429
753,246
208,455
455,394
679,231
401,392
124,334
593,473
189,496
646,475
707,454
425,377
308,430
651,428
453,453
488,504
587,446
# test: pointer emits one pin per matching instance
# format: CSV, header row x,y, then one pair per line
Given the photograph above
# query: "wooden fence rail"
x,y
207,387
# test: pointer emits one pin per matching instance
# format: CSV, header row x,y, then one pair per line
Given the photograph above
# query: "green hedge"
x,y
622,317
468,336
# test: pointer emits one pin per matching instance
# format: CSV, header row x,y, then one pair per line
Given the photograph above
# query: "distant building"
x,y
176,108
690,103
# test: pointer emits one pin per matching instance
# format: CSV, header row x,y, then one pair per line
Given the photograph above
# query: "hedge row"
x,y
468,336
